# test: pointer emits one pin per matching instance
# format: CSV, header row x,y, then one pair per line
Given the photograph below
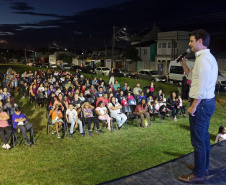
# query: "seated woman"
x,y
116,85
172,105
88,115
11,103
93,90
102,113
33,92
114,108
142,110
4,127
160,96
19,124
41,88
152,89
57,116
94,81
72,117
5,95
60,101
221,134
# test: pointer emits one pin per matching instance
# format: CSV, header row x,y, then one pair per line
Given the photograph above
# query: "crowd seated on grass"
x,y
77,100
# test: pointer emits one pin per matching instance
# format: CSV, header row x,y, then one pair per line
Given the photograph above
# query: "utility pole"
x,y
25,55
113,46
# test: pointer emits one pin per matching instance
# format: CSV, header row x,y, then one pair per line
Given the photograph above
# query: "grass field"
x,y
98,158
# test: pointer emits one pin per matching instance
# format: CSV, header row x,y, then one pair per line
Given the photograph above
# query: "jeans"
x,y
120,118
73,121
200,140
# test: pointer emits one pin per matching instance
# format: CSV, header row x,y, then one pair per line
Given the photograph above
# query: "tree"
x,y
132,53
65,58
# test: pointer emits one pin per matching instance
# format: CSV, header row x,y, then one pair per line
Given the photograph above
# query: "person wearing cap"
x,y
82,80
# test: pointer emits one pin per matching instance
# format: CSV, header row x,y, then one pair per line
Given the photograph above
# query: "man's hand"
x,y
191,110
183,61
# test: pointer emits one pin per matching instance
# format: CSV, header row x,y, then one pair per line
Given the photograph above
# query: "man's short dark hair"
x,y
201,34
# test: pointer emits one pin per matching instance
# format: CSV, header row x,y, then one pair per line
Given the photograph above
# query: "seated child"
x,y
124,102
102,113
156,106
131,100
163,107
56,118
141,96
182,108
72,117
221,134
81,97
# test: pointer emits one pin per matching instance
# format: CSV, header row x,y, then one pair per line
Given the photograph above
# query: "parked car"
x,y
151,75
39,65
102,71
221,82
53,66
77,67
122,73
87,69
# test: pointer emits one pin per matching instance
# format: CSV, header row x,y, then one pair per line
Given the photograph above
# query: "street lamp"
x,y
114,39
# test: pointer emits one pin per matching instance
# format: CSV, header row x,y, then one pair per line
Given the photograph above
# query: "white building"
x,y
171,44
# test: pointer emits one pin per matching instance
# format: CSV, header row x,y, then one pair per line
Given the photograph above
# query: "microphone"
x,y
184,54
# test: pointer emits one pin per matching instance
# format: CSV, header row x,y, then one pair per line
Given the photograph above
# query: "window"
x,y
145,51
163,45
159,45
169,45
176,69
159,60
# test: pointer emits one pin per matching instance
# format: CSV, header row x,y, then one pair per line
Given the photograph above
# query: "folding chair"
x,y
14,136
49,123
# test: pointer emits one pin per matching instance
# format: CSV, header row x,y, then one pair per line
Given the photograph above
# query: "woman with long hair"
x,y
142,110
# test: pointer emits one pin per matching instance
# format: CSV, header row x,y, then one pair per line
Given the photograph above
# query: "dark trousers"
x,y
8,131
200,140
174,110
182,109
24,129
89,121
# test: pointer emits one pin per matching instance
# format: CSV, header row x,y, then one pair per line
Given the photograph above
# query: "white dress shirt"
x,y
203,76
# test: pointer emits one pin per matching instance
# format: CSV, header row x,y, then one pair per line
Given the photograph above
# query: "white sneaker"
x,y
58,135
4,146
53,132
23,97
8,146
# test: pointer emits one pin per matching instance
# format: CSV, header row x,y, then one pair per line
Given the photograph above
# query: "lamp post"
x,y
114,39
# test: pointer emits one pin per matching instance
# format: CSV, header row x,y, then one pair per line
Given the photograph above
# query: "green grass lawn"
x,y
98,158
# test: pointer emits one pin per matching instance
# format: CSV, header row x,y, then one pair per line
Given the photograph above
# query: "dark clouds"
x,y
21,6
39,14
93,28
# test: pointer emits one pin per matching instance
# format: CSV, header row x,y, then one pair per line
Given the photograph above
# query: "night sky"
x,y
87,24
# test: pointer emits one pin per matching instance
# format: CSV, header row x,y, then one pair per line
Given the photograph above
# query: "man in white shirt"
x,y
203,80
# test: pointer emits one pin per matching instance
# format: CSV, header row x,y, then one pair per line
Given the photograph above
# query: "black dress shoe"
x,y
192,179
191,167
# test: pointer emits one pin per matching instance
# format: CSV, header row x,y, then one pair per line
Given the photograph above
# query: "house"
x,y
145,43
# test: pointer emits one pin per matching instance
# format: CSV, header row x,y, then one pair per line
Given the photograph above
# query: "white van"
x,y
176,72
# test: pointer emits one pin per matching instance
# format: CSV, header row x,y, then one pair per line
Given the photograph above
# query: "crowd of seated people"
x,y
72,98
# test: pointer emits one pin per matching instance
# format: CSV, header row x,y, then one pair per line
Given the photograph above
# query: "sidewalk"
x,y
167,173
